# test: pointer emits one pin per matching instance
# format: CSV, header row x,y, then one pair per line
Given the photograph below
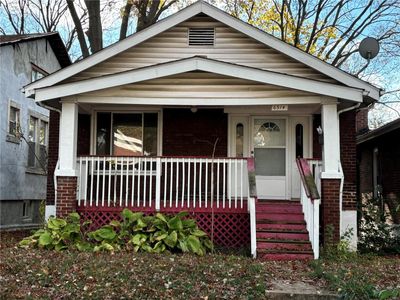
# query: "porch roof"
x,y
197,63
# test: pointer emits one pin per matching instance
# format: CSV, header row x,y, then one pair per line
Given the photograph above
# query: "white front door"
x,y
269,147
299,147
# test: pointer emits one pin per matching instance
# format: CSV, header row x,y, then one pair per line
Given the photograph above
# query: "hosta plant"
x,y
59,234
136,232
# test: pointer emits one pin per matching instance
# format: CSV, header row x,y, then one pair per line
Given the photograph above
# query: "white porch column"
x,y
68,139
331,147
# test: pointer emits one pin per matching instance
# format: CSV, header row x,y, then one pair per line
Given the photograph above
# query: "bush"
x,y
154,234
376,235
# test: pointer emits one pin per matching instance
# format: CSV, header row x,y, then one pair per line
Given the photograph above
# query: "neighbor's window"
x,y
37,73
126,134
37,141
13,121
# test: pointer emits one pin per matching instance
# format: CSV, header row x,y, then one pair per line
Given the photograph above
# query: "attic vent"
x,y
201,36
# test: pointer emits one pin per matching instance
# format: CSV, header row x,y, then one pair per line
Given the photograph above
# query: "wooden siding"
x,y
200,85
230,46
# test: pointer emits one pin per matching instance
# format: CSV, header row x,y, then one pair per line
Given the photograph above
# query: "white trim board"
x,y
199,64
213,12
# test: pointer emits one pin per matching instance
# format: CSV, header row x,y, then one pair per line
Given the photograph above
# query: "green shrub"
x,y
136,232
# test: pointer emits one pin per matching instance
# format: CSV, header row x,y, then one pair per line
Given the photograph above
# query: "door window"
x,y
270,147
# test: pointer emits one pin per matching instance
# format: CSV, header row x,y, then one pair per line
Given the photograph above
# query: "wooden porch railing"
x,y
310,174
168,182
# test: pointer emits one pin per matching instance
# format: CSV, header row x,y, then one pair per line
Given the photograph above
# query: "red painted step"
x,y
279,209
281,226
284,246
282,236
279,217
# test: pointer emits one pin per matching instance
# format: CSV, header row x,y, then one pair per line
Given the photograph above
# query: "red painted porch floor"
x,y
281,231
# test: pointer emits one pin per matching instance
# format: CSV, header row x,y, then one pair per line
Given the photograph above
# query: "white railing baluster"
x,y
80,182
115,180
127,181
236,185
109,181
151,182
133,182
97,180
188,186
241,183
121,181
224,184
177,182
170,181
165,163
183,183
86,179
206,187
158,183
194,182
218,183
91,181
145,181
200,182
103,182
139,176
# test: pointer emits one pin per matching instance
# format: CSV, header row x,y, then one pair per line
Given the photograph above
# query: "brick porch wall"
x,y
330,190
66,195
348,157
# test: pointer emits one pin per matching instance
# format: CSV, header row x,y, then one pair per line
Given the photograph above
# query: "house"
x,y
24,125
378,154
170,118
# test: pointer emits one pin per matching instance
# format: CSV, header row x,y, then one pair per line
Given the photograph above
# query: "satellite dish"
x,y
369,48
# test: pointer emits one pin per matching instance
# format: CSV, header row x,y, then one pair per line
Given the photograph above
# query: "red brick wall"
x,y
330,209
66,195
317,147
186,133
362,121
54,130
348,157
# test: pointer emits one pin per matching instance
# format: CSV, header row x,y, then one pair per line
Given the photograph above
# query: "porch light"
x,y
193,109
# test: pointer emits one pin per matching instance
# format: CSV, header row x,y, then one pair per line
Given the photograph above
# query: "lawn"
x,y
41,274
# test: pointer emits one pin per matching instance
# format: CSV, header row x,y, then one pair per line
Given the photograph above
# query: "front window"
x,y
37,141
127,134
13,124
37,73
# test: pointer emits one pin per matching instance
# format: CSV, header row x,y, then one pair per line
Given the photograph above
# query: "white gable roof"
x,y
199,64
213,12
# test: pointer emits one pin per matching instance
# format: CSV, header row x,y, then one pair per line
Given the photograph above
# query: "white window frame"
x,y
37,70
37,167
11,137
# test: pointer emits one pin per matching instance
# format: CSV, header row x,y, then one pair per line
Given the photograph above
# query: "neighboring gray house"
x,y
24,125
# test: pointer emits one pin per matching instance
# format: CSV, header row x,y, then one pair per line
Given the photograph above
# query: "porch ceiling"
x,y
200,64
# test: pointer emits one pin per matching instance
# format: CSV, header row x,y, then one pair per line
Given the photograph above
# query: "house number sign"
x,y
279,107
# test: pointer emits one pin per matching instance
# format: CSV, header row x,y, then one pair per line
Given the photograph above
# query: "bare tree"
x,y
16,13
328,29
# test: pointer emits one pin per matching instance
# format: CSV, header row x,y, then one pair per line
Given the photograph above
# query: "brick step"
x,y
283,202
285,256
283,246
279,217
282,235
280,226
279,209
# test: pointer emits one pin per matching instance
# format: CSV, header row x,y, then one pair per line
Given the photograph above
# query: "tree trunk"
x,y
95,32
78,28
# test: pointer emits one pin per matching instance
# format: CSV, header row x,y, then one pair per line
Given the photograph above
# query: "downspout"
x,y
341,169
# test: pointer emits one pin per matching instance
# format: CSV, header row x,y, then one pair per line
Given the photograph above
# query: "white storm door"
x,y
270,152
300,147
